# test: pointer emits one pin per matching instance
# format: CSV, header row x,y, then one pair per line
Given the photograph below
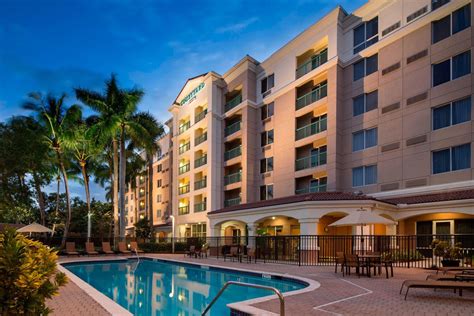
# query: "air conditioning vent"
x,y
391,28
417,14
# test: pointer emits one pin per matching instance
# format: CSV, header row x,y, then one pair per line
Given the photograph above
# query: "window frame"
x,y
451,106
267,83
364,62
356,48
364,176
268,166
451,159
450,59
365,102
265,190
267,138
364,133
267,111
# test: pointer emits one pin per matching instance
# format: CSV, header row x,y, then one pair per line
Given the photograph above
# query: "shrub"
x,y
28,275
163,247
445,250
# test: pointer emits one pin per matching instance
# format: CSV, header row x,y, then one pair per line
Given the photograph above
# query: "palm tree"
x,y
58,121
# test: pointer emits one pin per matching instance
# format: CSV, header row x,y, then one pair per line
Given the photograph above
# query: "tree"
x,y
58,122
142,229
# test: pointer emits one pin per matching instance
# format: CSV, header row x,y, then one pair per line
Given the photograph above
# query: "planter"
x,y
450,263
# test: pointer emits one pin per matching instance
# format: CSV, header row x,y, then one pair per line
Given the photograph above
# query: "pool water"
x,y
168,288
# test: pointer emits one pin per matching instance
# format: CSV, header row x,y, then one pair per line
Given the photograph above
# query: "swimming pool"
x,y
161,287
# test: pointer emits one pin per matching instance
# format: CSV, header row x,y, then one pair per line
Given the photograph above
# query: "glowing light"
x,y
273,217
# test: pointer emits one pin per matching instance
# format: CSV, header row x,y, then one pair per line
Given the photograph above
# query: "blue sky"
x,y
53,46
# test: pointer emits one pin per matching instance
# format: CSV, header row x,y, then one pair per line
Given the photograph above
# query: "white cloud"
x,y
236,27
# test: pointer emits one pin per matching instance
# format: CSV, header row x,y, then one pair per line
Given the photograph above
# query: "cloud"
x,y
236,27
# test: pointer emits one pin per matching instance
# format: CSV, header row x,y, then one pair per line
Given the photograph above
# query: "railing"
x,y
311,161
184,127
231,202
232,128
234,152
199,207
233,178
183,189
200,116
313,96
200,139
313,128
313,63
255,286
183,210
233,103
200,184
312,189
184,148
184,168
201,161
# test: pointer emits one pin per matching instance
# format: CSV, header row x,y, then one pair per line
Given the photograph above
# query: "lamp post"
x,y
172,233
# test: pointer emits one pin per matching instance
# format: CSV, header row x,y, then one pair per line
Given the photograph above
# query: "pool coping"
x,y
242,306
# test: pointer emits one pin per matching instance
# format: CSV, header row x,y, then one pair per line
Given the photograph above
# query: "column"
x,y
309,240
252,229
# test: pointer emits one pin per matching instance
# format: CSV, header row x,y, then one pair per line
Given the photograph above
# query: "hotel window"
x,y
453,68
452,159
267,138
364,139
435,4
158,213
364,103
451,24
366,34
266,165
365,67
159,168
267,83
456,112
267,110
158,198
198,230
364,175
158,183
266,192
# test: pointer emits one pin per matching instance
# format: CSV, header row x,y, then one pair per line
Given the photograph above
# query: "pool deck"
x,y
335,296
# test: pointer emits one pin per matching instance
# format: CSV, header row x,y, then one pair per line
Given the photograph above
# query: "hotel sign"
x,y
192,95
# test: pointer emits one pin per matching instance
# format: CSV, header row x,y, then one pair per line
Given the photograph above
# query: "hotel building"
x,y
366,110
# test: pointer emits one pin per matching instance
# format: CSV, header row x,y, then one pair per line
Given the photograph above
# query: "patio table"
x,y
368,259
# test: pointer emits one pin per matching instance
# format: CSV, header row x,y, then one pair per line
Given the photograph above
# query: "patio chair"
x,y
250,255
426,284
203,251
341,260
106,249
233,253
90,249
191,252
71,249
352,261
122,248
134,247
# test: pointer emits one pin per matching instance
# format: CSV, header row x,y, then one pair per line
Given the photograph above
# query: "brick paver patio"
x,y
336,296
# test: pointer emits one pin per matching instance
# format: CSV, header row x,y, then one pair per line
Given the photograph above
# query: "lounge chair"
x,y
122,248
250,255
90,249
454,269
341,260
191,252
441,277
134,247
204,250
106,249
426,284
71,249
233,253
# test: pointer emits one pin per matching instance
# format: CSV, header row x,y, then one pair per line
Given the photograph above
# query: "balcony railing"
x,y
312,189
184,147
200,184
311,161
233,103
183,189
234,152
200,139
231,202
313,96
233,178
232,128
200,116
313,128
183,210
313,63
200,207
184,127
184,168
201,161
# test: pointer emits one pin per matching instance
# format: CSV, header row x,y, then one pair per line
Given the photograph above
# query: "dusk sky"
x,y
53,46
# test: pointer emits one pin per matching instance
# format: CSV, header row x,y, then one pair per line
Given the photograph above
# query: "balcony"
x,y
184,127
312,189
311,129
232,128
184,147
184,168
233,103
234,152
311,161
200,184
201,161
183,189
315,61
317,94
200,207
231,202
201,115
200,139
233,178
183,210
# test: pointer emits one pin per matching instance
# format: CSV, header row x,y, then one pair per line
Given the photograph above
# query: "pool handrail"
x,y
257,286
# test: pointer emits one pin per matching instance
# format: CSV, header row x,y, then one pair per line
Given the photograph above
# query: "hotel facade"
x,y
367,110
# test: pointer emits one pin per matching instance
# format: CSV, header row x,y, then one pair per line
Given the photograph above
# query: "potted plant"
x,y
450,253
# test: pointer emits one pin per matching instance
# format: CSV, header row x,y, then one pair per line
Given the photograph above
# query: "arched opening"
x,y
233,231
278,226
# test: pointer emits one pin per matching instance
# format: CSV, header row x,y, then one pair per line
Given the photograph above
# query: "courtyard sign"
x,y
192,95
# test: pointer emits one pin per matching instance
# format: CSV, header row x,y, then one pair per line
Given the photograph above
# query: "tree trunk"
x,y
39,193
88,195
68,202
150,191
115,186
123,169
